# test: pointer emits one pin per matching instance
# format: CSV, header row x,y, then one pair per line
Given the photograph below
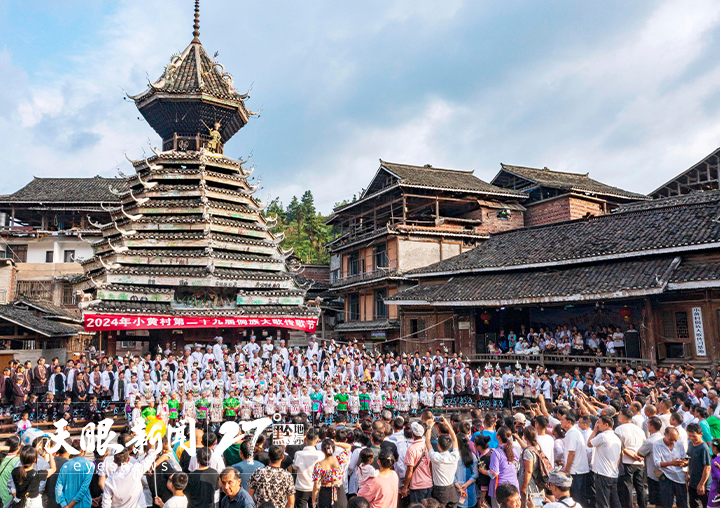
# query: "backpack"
x,y
542,480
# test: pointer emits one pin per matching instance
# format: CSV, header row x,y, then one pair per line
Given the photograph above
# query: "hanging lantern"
x,y
486,317
626,313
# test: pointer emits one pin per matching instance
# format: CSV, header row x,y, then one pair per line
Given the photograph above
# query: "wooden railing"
x,y
555,359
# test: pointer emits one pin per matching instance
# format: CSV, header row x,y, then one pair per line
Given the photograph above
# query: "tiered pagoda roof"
x,y
188,243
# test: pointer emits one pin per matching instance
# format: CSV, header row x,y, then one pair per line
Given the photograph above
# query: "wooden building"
x,y
557,196
43,226
187,253
408,217
655,264
700,177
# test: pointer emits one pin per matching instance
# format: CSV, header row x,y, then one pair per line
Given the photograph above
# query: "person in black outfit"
x,y
27,480
61,457
202,483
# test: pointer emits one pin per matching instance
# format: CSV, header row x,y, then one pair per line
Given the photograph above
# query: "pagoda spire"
x,y
196,25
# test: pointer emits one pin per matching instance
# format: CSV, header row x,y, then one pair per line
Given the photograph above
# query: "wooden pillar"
x,y
647,333
404,208
437,211
322,324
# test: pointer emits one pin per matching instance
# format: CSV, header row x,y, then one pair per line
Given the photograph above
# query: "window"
x,y
34,289
668,325
503,214
3,299
335,275
417,328
354,307
449,331
354,263
681,325
69,256
18,253
68,297
675,325
48,256
381,260
380,307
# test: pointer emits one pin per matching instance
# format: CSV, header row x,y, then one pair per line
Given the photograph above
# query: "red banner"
x,y
109,322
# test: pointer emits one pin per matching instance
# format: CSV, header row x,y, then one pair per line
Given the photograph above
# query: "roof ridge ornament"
x,y
196,24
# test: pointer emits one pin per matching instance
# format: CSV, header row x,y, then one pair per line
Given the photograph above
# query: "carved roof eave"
x,y
194,157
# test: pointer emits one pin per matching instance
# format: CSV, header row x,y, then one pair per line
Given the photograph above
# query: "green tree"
x,y
305,229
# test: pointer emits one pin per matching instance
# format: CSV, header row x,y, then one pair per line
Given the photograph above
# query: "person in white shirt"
x,y
401,443
576,459
217,462
546,442
444,464
670,458
605,462
267,348
217,350
303,466
676,420
175,484
632,438
123,489
560,484
646,450
638,417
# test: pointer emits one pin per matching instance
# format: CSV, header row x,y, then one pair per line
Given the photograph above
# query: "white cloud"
x,y
632,109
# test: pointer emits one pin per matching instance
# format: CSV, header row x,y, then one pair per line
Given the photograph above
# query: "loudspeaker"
x,y
632,344
480,344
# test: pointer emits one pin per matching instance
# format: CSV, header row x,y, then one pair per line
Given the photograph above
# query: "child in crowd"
x,y
175,484
365,469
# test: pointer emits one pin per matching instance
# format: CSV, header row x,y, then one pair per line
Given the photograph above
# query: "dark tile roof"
x,y
696,271
576,182
368,326
689,227
189,77
68,190
29,320
49,310
685,199
450,179
607,280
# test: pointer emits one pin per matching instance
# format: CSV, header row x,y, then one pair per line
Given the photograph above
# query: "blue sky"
x,y
627,91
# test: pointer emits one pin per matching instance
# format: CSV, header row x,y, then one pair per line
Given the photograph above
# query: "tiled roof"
x,y
49,310
450,179
607,280
68,190
194,71
368,326
685,199
696,271
29,320
577,182
612,236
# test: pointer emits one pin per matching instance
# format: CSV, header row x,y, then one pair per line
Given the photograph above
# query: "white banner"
x,y
698,331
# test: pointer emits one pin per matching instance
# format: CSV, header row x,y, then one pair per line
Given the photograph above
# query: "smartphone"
x,y
438,419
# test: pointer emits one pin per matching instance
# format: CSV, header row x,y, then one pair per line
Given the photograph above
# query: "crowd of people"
x,y
564,340
377,432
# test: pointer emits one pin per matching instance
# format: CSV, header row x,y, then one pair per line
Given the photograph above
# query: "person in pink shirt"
x,y
418,478
382,491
